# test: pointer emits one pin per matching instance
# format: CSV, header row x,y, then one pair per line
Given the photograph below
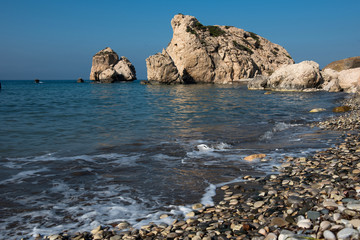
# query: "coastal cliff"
x,y
213,54
108,68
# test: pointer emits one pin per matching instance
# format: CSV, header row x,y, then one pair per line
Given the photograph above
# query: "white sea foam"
x,y
22,176
115,158
280,126
207,198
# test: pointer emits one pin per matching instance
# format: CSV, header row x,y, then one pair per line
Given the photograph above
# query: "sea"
x,y
74,156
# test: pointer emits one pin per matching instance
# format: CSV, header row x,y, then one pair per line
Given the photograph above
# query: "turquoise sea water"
x,y
74,156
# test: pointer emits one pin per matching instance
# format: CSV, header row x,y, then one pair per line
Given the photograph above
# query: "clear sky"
x,y
56,39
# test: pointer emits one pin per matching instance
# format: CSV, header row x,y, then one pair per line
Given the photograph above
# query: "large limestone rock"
x,y
344,64
161,67
345,80
296,77
213,54
108,68
331,80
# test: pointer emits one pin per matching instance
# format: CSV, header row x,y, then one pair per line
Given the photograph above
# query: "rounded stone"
x,y
347,233
355,223
324,225
258,204
328,235
305,223
197,206
313,215
271,236
172,235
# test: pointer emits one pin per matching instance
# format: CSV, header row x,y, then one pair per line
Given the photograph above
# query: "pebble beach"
x,y
313,197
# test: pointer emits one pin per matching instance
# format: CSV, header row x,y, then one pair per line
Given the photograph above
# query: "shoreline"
x,y
313,197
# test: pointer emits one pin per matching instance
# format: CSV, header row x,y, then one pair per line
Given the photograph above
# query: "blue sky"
x,y
56,39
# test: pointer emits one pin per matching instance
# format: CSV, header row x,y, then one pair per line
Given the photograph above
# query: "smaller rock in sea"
x,y
315,110
341,109
254,156
80,80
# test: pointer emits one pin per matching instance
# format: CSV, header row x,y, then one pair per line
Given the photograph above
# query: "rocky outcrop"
x,y
213,54
108,68
345,80
294,77
344,64
161,67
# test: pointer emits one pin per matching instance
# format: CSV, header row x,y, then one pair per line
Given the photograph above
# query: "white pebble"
x,y
324,225
348,233
336,216
328,235
305,223
284,234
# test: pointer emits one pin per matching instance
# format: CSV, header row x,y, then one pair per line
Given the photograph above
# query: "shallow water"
x,y
74,156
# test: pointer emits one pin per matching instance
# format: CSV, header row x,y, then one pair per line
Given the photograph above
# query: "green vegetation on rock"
x,y
242,47
274,52
215,31
254,36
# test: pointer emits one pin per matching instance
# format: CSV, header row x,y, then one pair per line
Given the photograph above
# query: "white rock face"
x,y
107,67
296,77
214,54
346,80
349,79
125,68
162,68
331,80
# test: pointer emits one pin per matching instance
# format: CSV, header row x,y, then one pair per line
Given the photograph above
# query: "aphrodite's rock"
x,y
213,54
296,77
160,67
344,64
108,68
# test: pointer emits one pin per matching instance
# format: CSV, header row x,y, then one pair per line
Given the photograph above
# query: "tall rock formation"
x,y
108,68
213,54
